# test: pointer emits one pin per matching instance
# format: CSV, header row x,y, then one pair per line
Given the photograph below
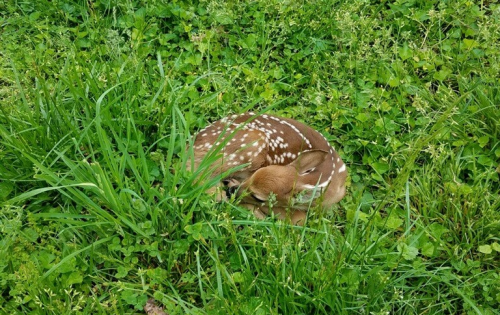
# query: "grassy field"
x,y
98,211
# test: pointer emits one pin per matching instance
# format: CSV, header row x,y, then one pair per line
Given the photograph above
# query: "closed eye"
x,y
257,198
308,171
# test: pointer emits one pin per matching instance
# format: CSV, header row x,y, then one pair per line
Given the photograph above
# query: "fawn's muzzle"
x,y
231,191
232,187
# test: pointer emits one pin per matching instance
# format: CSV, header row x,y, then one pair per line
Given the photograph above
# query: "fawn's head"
x,y
296,184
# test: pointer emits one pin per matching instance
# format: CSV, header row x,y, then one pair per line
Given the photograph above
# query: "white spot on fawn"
x,y
342,168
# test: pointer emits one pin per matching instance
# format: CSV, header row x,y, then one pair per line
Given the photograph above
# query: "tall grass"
x,y
101,210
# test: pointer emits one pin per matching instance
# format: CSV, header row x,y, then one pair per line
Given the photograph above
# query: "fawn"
x,y
277,160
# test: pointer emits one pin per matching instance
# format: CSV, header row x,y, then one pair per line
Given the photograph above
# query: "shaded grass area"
x,y
99,208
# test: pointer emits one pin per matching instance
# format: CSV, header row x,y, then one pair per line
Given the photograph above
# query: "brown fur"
x,y
283,158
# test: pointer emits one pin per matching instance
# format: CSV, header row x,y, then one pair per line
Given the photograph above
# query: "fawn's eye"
x,y
257,198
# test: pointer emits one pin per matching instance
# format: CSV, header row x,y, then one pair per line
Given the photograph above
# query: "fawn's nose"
x,y
231,191
232,186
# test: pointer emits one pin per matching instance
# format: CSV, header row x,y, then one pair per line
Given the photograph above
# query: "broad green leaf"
x,y
34,16
408,252
74,278
238,277
5,189
485,160
68,265
393,222
380,168
428,249
129,296
495,246
164,39
485,249
470,43
194,230
363,117
122,272
353,214
45,258
393,82
224,19
442,74
437,230
30,234
405,52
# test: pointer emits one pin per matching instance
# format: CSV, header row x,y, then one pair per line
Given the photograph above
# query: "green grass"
x,y
98,208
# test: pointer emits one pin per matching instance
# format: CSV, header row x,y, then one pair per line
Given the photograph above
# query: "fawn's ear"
x,y
307,161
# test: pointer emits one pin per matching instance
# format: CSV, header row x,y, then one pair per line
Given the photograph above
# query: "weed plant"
x,y
99,209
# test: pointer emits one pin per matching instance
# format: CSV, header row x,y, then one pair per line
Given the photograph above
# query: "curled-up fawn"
x,y
278,159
